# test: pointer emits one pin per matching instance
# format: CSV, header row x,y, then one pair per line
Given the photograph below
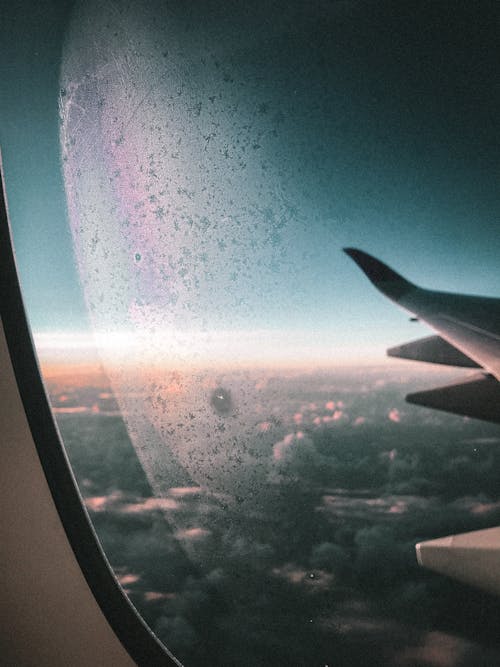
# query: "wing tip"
x,y
382,276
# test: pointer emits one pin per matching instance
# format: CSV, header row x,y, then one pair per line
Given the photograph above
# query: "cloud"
x,y
150,505
192,533
394,415
280,448
127,579
335,525
116,502
103,503
484,508
183,491
96,503
264,427
154,596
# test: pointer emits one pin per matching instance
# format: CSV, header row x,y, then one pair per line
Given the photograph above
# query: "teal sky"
x,y
378,125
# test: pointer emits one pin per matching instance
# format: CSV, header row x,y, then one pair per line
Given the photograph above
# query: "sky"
x,y
196,170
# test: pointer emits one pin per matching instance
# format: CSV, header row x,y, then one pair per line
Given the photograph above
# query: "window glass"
x,y
243,447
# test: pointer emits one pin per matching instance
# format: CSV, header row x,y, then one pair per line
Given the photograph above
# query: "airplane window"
x,y
216,364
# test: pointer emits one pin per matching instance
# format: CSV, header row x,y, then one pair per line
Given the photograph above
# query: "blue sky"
x,y
372,125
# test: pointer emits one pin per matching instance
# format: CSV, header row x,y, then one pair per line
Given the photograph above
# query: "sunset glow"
x,y
258,348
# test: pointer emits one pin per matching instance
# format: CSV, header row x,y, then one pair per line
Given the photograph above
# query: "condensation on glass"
x,y
174,167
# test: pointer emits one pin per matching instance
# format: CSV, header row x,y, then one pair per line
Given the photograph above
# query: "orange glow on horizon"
x,y
137,352
74,374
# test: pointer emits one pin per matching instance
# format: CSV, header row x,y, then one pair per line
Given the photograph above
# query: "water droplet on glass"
x,y
221,401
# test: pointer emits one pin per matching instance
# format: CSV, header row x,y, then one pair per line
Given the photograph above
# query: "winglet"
x,y
382,276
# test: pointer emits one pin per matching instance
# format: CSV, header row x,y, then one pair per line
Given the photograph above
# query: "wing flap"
x,y
433,349
478,397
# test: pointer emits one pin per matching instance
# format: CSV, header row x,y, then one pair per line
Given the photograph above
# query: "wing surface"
x,y
473,558
469,336
478,396
471,324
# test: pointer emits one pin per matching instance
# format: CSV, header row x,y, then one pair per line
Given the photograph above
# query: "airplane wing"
x,y
468,330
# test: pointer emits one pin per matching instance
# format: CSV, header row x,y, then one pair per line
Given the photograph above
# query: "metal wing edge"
x,y
473,558
478,397
432,349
